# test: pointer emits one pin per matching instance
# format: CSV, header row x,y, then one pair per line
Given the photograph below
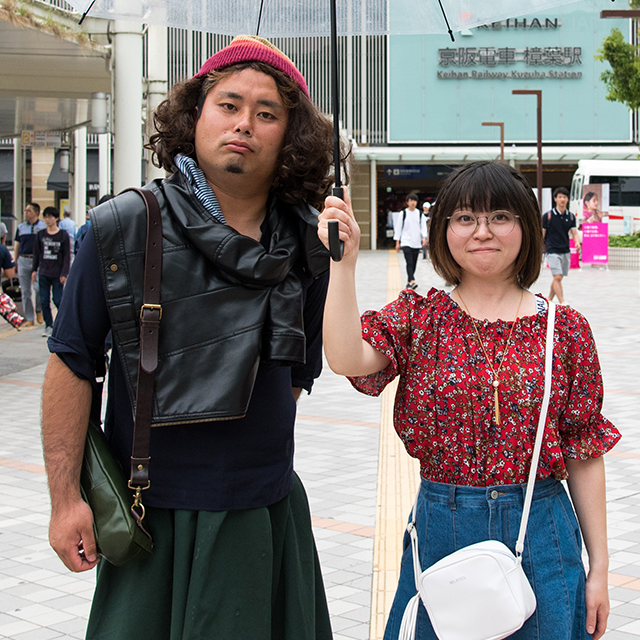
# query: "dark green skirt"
x,y
229,575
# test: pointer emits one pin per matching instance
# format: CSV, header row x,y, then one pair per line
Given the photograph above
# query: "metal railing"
x,y
58,4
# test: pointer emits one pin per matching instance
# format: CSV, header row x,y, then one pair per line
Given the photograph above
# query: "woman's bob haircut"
x,y
482,187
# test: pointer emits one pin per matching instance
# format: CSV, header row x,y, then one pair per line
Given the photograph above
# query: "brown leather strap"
x,y
150,315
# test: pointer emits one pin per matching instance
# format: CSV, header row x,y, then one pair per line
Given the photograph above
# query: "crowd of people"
x,y
43,251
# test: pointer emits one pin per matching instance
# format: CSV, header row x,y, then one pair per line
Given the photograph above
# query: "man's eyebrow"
x,y
271,103
267,103
231,94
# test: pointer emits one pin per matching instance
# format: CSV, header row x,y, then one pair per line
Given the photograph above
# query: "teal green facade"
x,y
441,92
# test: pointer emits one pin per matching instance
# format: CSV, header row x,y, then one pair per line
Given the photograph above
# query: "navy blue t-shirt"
x,y
212,466
6,261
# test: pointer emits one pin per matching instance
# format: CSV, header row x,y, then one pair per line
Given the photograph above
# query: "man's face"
x,y
30,214
50,221
561,201
412,204
241,130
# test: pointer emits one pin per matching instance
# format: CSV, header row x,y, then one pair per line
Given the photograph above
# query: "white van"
x,y
623,178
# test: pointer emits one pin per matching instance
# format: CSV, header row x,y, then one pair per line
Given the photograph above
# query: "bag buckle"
x,y
151,307
137,508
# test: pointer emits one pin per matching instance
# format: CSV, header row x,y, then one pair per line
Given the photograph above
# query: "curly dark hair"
x,y
487,186
306,158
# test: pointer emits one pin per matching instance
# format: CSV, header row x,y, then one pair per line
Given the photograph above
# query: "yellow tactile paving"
x,y
398,477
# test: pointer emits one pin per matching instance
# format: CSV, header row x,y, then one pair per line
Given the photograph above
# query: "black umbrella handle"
x,y
336,246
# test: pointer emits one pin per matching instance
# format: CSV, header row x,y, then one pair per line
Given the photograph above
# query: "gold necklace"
x,y
496,380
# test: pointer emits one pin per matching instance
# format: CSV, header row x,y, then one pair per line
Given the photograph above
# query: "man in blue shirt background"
x,y
23,254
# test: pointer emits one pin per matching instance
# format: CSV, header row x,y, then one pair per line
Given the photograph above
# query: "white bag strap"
x,y
548,370
410,617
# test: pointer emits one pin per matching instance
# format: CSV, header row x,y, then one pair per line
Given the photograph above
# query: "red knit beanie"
x,y
253,49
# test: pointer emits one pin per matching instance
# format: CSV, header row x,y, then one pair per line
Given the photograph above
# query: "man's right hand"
x,y
71,536
64,431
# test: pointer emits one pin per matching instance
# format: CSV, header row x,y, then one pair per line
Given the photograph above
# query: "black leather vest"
x,y
215,327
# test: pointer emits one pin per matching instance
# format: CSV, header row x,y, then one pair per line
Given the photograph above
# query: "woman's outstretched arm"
x,y
587,487
347,353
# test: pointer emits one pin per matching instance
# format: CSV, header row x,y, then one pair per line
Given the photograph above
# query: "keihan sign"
x,y
441,91
496,57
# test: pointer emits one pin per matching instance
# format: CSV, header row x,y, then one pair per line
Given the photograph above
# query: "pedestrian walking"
x,y
8,308
51,263
242,291
424,221
409,236
69,226
23,255
84,229
471,369
557,224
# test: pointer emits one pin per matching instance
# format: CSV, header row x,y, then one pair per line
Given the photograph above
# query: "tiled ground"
x,y
337,458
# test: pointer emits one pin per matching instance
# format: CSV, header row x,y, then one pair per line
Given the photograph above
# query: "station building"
x,y
411,106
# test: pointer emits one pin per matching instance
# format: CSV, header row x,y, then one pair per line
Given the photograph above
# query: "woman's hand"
x,y
340,210
597,600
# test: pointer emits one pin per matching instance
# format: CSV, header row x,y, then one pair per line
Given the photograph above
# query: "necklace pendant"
x,y
496,404
496,383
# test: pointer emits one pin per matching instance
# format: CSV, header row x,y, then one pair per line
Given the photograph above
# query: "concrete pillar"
x,y
79,205
42,159
127,103
373,203
104,164
158,81
363,83
360,199
18,204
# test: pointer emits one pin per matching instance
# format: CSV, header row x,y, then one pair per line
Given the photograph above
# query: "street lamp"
x,y
64,156
99,112
536,92
501,125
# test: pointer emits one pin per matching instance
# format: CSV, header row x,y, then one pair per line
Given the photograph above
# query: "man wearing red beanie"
x,y
242,292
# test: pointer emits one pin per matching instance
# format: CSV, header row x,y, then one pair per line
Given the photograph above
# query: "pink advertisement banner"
x,y
595,243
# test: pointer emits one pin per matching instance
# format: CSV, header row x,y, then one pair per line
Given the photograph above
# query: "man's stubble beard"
x,y
234,168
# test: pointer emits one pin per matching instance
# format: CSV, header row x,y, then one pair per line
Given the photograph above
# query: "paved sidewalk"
x,y
338,438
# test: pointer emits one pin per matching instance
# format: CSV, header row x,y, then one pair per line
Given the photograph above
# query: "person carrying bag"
x,y
469,405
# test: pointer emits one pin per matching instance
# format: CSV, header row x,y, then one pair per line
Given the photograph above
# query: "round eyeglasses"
x,y
465,223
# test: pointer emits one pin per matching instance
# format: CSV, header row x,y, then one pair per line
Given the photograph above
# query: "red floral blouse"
x,y
444,407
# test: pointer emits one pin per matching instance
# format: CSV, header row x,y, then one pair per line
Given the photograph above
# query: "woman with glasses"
x,y
470,366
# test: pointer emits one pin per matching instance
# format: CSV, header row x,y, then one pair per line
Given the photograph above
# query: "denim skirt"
x,y
449,517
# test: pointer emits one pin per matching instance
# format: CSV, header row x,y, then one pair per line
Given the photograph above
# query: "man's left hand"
x,y
63,280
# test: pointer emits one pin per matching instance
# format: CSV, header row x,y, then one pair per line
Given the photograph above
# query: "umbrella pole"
x,y
336,246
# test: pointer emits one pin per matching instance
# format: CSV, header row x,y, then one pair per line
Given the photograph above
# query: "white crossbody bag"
x,y
480,592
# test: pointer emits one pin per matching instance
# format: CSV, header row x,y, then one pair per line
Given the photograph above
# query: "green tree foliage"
x,y
623,79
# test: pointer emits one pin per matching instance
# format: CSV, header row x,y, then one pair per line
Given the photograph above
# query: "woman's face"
x,y
485,254
592,205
